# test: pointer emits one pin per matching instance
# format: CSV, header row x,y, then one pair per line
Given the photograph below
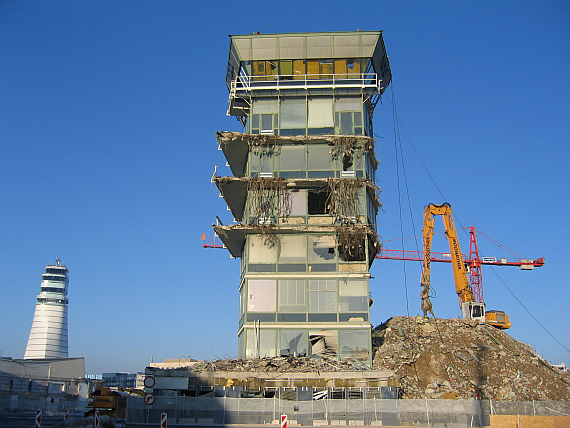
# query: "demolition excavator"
x,y
470,308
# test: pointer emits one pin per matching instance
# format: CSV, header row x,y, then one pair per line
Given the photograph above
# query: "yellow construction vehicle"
x,y
470,308
108,402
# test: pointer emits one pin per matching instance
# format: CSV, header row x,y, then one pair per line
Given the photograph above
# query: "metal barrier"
x,y
350,410
226,410
211,410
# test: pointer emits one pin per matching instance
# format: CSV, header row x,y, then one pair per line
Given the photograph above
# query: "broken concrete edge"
x,y
233,236
303,183
352,141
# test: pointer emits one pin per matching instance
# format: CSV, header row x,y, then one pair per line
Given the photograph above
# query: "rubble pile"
x,y
274,364
455,358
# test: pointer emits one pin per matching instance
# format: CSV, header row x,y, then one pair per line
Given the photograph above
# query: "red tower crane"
x,y
474,261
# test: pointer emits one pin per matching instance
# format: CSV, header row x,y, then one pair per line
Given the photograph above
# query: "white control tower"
x,y
48,337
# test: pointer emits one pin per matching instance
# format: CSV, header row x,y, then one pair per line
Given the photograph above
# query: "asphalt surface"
x,y
20,420
27,420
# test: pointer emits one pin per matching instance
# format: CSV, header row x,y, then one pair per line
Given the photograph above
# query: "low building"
x,y
43,383
175,363
119,380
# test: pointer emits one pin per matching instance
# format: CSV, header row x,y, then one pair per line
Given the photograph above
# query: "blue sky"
x,y
108,114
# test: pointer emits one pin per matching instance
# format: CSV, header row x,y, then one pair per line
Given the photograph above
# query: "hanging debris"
x,y
268,198
345,145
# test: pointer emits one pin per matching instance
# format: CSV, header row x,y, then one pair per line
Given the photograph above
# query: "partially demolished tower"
x,y
303,190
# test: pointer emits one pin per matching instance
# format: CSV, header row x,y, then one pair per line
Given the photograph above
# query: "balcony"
x,y
246,86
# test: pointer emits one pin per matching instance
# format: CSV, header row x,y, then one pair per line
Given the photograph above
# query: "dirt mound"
x,y
440,358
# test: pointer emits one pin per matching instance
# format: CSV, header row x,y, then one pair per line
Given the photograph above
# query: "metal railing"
x,y
305,81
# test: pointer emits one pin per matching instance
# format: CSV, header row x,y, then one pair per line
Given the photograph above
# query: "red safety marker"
x,y
39,418
66,414
283,421
96,418
163,420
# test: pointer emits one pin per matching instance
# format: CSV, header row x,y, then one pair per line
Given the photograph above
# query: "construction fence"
x,y
375,411
23,403
369,411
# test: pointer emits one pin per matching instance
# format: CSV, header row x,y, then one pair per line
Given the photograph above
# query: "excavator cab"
x,y
473,311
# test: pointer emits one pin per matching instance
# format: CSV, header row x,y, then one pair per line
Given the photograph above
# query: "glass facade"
x,y
310,115
309,213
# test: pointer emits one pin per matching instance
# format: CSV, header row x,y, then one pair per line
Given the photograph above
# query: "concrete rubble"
x,y
425,358
455,358
274,364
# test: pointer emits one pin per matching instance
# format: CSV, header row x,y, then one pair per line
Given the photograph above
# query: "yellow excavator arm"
x,y
462,287
470,309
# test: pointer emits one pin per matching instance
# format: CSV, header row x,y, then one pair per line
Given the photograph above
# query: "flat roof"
x,y
324,45
346,44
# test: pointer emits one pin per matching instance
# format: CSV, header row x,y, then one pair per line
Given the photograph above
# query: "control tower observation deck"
x,y
303,192
48,336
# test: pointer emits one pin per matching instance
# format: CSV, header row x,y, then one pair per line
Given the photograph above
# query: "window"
x,y
324,343
348,116
353,295
353,66
326,68
292,249
348,123
354,344
320,157
296,203
293,116
313,69
261,163
317,202
322,248
299,69
369,71
292,295
340,68
321,114
293,342
241,344
267,343
266,70
262,206
242,303
286,69
264,117
261,295
348,104
293,159
367,121
54,278
53,290
260,343
352,248
259,251
322,295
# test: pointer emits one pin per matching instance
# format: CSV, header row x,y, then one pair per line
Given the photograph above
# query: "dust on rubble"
x,y
277,364
455,358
